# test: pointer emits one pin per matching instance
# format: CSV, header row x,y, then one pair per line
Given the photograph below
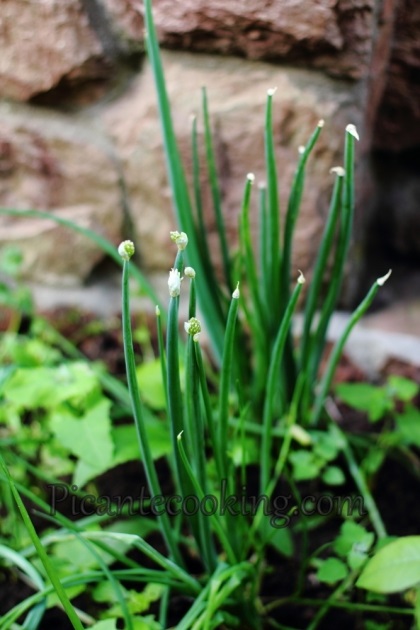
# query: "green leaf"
x,y
332,571
394,568
352,536
326,445
403,388
108,624
375,401
408,425
149,377
47,387
333,476
126,442
88,437
305,465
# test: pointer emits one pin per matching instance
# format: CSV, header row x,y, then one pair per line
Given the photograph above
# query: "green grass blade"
x,y
272,385
293,212
211,427
225,382
138,414
213,517
248,257
346,224
34,617
326,380
118,589
272,245
215,189
181,198
321,262
48,566
290,367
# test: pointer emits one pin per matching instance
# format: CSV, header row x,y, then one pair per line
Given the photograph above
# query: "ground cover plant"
x,y
245,458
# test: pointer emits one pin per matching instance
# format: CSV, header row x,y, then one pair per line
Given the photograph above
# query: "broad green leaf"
x,y
403,388
333,476
352,535
278,537
88,437
375,401
127,446
332,571
408,424
305,465
47,387
149,376
394,568
107,624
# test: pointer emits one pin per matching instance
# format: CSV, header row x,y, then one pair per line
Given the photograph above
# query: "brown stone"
x,y
50,163
237,95
328,34
43,42
398,123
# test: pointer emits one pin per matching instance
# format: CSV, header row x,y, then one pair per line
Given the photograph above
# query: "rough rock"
x,y
330,34
44,42
398,123
50,163
237,95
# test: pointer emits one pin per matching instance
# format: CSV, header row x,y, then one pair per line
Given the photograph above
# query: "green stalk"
x,y
363,487
208,409
272,385
290,368
195,426
346,224
214,517
272,232
215,190
248,254
43,556
225,380
202,231
263,246
34,617
313,294
138,414
326,380
293,211
180,195
162,354
175,407
118,589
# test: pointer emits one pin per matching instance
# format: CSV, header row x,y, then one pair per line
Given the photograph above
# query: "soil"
x,y
396,491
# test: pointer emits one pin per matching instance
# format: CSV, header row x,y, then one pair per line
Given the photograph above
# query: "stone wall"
x,y
80,135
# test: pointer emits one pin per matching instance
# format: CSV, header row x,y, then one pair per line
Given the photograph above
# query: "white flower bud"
x,y
271,91
180,239
174,283
189,272
321,123
381,281
126,249
301,278
338,170
236,293
193,326
351,129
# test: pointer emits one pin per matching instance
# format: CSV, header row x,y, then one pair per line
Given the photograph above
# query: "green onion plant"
x,y
268,392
